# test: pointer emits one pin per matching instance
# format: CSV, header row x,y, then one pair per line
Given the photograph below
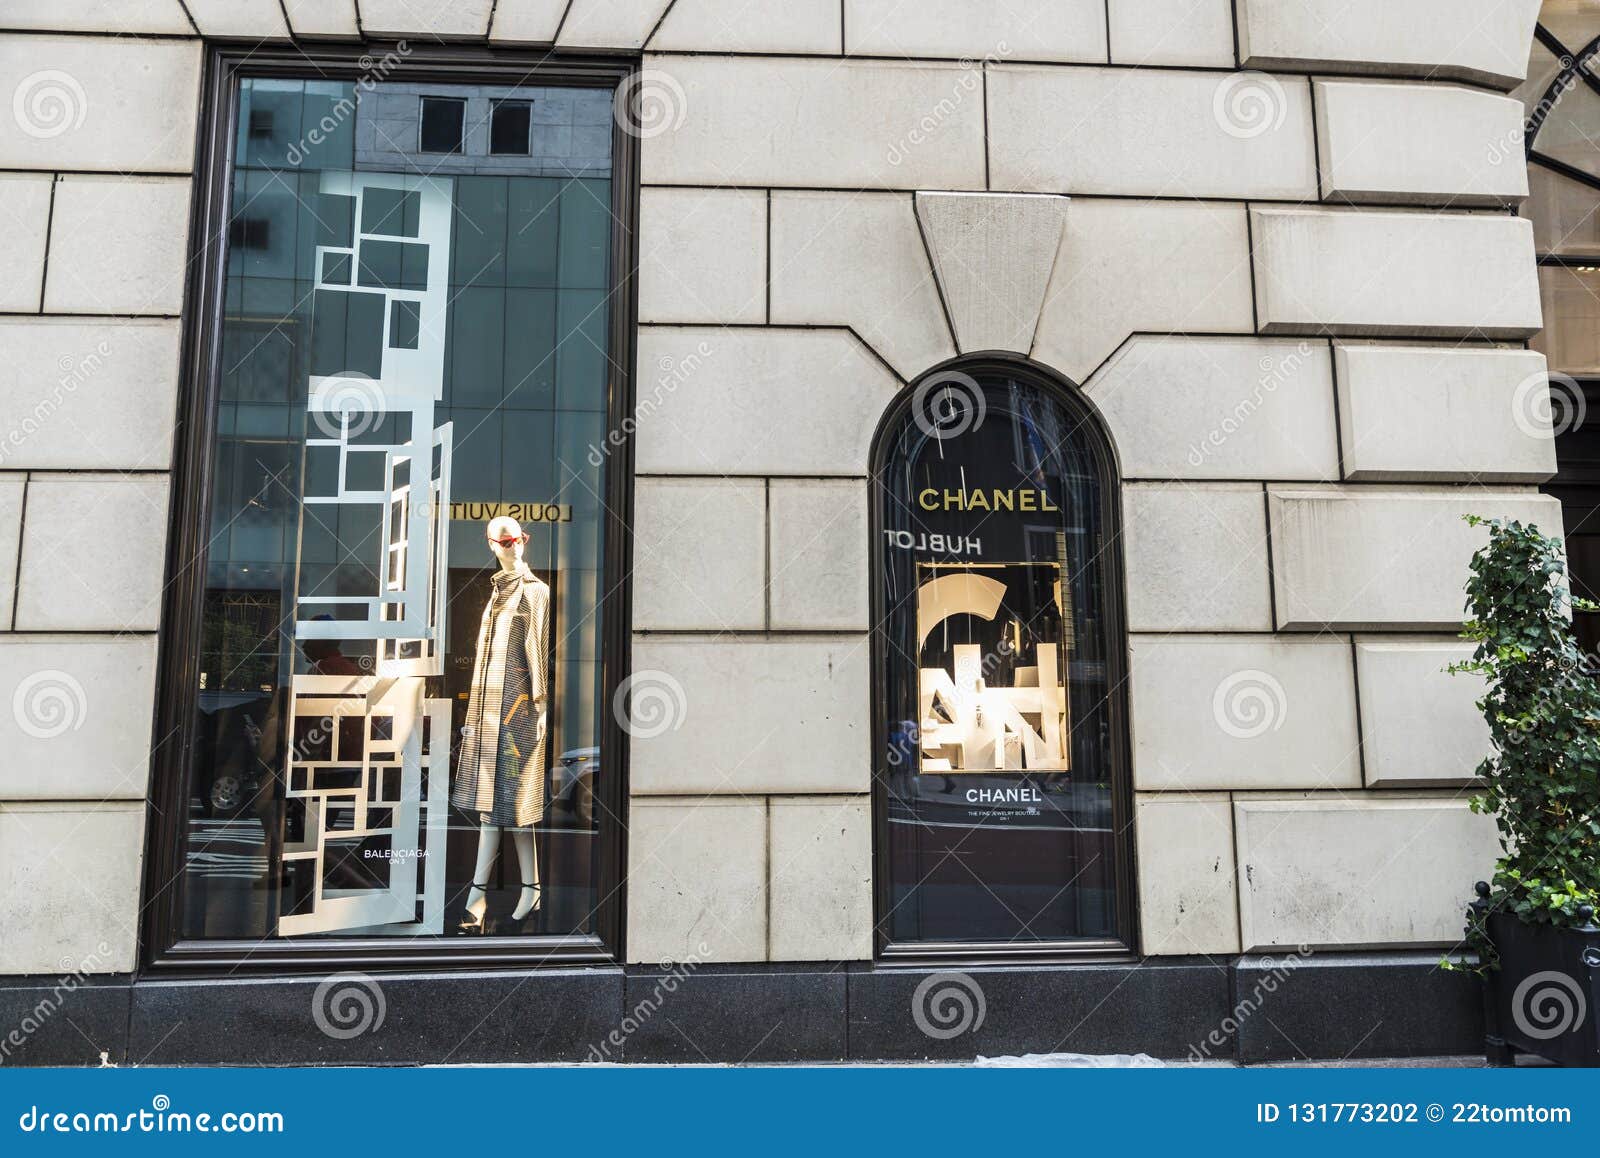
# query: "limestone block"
x,y
1364,272
1193,32
526,21
260,19
699,555
88,395
1196,557
697,879
1426,144
100,16
444,19
757,401
782,714
797,26
1154,132
1444,413
821,878
25,208
1485,41
116,245
55,591
1221,712
810,123
702,255
335,19
100,102
1362,872
80,718
1065,30
1236,408
1188,898
69,886
992,254
858,259
610,23
818,554
1142,267
11,501
1383,557
1420,724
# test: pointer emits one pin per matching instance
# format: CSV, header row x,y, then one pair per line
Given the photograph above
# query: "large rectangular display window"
x,y
398,693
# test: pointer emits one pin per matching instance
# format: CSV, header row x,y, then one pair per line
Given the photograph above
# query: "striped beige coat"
x,y
500,772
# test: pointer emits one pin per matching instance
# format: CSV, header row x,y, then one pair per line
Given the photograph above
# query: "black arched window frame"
x,y
1085,420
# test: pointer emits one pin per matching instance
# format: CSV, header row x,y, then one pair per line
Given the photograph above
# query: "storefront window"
x,y
998,664
1562,98
399,685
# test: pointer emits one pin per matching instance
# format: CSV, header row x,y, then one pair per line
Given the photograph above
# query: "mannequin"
x,y
501,768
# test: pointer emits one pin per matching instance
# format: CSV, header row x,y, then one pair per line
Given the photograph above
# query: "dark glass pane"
x,y
394,265
373,303
1563,212
1571,128
442,125
479,249
1575,410
405,322
476,360
997,667
1573,22
533,225
1570,299
582,328
508,128
530,347
269,123
390,211
335,268
585,235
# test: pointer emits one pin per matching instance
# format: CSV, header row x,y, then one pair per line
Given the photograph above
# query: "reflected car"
x,y
233,776
572,788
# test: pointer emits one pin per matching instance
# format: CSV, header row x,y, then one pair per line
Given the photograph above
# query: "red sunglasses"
x,y
510,541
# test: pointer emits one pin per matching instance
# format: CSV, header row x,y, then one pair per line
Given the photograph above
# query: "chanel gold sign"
x,y
933,499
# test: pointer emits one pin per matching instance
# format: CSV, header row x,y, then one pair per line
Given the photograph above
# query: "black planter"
x,y
1543,998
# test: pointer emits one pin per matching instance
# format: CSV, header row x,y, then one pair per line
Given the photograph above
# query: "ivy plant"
x,y
1542,781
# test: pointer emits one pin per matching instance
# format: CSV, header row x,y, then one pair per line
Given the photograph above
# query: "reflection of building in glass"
x,y
483,129
402,259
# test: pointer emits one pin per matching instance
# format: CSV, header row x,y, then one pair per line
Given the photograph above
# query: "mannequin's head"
x,y
506,540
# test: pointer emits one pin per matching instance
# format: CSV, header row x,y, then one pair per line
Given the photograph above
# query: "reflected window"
x,y
1001,765
508,128
443,122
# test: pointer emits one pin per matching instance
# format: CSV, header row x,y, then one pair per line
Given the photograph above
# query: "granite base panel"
x,y
1249,1010
63,1021
1333,1006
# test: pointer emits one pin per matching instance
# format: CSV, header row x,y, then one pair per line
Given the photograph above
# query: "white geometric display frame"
x,y
406,613
387,786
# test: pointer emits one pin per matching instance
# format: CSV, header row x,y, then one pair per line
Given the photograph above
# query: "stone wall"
x,y
1271,242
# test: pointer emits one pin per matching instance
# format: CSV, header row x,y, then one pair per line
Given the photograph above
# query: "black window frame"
x,y
1123,947
163,952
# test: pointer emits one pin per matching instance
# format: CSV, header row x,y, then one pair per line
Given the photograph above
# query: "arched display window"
x,y
1003,801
